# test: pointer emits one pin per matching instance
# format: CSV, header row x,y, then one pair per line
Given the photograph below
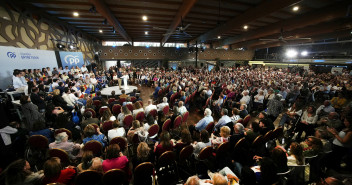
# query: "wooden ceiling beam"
x,y
311,18
181,13
310,31
104,10
265,8
334,34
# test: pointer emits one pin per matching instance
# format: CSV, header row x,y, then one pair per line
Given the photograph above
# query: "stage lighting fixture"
x,y
113,30
245,27
304,53
105,21
60,46
219,37
146,33
100,31
76,14
295,8
145,18
291,53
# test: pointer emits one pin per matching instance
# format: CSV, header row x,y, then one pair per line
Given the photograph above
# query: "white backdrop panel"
x,y
21,58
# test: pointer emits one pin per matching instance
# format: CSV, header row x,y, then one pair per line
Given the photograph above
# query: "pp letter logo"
x,y
70,59
11,54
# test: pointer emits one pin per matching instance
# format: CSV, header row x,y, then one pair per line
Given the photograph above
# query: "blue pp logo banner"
x,y
11,54
71,59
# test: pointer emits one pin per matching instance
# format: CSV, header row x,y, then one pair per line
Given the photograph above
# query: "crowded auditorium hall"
x,y
176,92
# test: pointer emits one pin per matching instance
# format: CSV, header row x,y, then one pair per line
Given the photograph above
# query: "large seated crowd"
x,y
260,126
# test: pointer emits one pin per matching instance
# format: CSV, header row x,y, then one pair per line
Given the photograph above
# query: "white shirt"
x,y
182,110
17,83
116,132
72,97
67,99
161,106
137,110
245,99
93,81
149,108
84,69
260,98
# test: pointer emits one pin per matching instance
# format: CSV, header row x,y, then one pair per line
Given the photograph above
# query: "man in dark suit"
x,y
37,100
88,120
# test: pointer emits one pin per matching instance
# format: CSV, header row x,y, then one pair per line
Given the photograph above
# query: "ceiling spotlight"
x,y
304,53
146,33
219,37
295,8
71,46
291,53
76,14
60,46
100,31
245,27
145,18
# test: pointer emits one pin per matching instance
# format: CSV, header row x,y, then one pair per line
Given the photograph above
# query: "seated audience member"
x,y
40,129
224,136
133,130
138,108
279,156
124,111
61,142
238,134
332,121
204,142
325,109
235,115
19,172
30,112
181,109
336,102
161,106
115,159
193,180
107,116
123,95
98,96
223,120
323,135
89,162
54,172
149,107
58,101
37,100
88,120
296,156
307,123
243,111
117,131
185,140
253,132
312,146
203,123
292,113
265,123
164,144
90,134
144,154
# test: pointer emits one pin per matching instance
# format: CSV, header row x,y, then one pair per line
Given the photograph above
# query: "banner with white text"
x,y
71,59
22,58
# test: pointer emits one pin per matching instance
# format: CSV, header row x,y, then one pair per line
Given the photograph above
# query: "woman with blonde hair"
x,y
144,154
224,136
138,108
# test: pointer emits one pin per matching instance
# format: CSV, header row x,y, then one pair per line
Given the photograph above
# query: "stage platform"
x,y
107,91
